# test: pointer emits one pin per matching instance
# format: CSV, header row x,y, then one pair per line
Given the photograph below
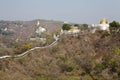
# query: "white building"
x,y
103,25
40,29
73,30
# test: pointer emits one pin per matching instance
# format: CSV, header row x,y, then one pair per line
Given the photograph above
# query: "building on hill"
x,y
40,29
39,33
103,25
73,30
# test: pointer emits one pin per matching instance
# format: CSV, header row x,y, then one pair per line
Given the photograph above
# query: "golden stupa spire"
x,y
104,21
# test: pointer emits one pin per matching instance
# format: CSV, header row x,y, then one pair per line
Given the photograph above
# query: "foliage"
x,y
105,33
100,67
57,32
84,26
71,59
117,50
49,38
76,25
14,45
114,26
66,27
26,47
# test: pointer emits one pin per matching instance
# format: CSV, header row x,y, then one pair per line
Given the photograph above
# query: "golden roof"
x,y
104,21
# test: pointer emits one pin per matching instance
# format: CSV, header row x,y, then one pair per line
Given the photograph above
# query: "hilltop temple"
x,y
103,25
40,29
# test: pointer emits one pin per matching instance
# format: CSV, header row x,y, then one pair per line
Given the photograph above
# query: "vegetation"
x,y
26,47
57,32
76,25
87,57
66,27
114,26
84,26
49,38
117,50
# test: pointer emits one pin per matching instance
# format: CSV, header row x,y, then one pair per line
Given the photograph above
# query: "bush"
x,y
100,67
26,47
117,50
57,32
105,33
84,26
49,38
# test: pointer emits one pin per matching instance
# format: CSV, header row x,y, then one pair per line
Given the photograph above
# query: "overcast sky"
x,y
79,11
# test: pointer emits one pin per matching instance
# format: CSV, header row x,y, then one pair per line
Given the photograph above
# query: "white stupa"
x,y
40,29
104,24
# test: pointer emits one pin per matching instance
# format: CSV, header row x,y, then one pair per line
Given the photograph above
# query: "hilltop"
x,y
25,29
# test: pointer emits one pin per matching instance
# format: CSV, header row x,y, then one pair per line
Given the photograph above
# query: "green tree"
x,y
66,27
114,26
76,25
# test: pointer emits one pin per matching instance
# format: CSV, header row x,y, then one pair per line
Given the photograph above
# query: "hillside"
x,y
15,34
86,57
23,30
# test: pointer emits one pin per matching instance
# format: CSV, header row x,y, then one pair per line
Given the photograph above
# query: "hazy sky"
x,y
80,11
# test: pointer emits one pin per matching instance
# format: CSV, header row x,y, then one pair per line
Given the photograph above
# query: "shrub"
x,y
105,33
57,32
26,47
117,50
100,67
84,26
49,38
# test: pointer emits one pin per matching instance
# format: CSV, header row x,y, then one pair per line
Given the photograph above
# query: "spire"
x,y
104,21
38,23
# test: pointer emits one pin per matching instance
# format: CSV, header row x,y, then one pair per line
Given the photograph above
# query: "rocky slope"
x,y
86,57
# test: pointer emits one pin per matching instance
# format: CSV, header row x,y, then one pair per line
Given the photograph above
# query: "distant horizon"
x,y
60,20
75,11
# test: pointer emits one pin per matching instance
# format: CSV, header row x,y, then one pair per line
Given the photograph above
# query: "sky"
x,y
77,11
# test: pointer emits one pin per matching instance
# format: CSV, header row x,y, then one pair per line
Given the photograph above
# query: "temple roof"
x,y
103,21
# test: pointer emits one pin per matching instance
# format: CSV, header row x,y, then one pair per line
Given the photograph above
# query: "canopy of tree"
x,y
115,26
66,27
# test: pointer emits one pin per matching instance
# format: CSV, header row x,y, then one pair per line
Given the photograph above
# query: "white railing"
x,y
26,52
